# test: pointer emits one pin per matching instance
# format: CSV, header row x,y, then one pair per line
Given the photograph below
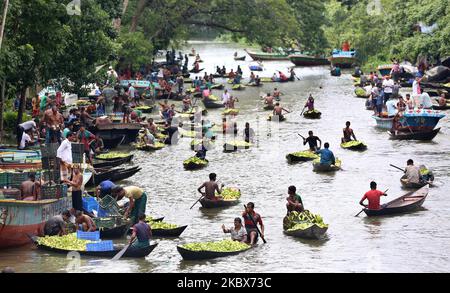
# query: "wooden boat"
x,y
312,114
239,58
214,204
19,219
307,60
150,148
235,146
145,109
423,136
318,167
126,159
124,174
212,105
113,130
238,87
114,233
410,202
437,107
175,232
111,143
201,255
343,59
100,177
267,56
385,69
276,118
131,252
109,164
299,157
269,107
313,232
383,123
354,146
217,86
194,166
412,185
194,71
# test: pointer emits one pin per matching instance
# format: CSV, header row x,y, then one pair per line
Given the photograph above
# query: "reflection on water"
x,y
353,244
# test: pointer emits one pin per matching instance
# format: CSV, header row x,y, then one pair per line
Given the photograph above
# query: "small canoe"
x,y
131,252
230,112
412,185
253,84
269,107
114,233
124,174
200,255
354,145
303,156
240,58
100,177
111,143
110,164
238,87
318,167
145,109
149,148
313,232
235,146
126,159
423,136
194,71
218,87
410,202
214,204
212,105
314,114
276,118
190,166
175,232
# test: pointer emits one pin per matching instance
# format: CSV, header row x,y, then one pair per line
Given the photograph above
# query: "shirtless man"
x,y
276,94
152,126
29,190
84,222
268,100
210,188
348,133
76,183
278,111
55,123
231,102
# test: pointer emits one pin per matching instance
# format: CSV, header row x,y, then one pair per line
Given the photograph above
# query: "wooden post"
x,y
2,99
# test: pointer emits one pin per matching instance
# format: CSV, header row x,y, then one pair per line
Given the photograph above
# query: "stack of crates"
x,y
100,246
92,236
77,153
51,191
49,150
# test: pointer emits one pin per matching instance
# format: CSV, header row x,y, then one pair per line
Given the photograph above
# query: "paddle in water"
x,y
397,168
203,195
365,208
122,252
254,223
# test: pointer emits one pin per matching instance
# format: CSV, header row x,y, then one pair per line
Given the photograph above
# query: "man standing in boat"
x,y
211,187
312,141
373,196
55,123
250,219
310,103
348,133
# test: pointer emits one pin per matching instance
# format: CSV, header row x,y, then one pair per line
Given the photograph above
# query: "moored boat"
x,y
308,60
113,130
312,232
411,135
239,58
410,202
385,69
111,143
205,254
261,56
111,157
174,232
343,59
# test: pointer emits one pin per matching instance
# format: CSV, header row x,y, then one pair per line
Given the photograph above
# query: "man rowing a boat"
x,y
412,172
210,188
326,156
142,232
238,233
250,219
348,133
312,141
294,201
278,111
310,103
373,196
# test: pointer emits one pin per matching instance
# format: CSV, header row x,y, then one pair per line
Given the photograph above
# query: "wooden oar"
x,y
122,252
397,168
301,136
254,223
200,198
365,208
303,111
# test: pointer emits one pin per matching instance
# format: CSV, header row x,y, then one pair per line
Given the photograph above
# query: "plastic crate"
x,y
109,204
101,213
16,179
53,175
100,246
93,236
51,163
49,150
77,148
77,158
4,179
51,191
90,204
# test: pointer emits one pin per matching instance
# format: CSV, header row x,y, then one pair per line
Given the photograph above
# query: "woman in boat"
x,y
294,201
251,220
373,196
442,100
238,233
310,103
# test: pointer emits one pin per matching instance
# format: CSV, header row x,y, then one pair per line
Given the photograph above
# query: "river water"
x,y
417,242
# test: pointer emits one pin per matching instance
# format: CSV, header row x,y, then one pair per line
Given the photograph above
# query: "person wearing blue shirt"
x,y
105,188
326,156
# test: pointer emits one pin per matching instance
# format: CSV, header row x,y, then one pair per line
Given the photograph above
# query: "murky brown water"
x,y
409,243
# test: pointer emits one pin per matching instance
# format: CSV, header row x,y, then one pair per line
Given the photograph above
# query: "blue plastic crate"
x,y
93,236
100,246
90,204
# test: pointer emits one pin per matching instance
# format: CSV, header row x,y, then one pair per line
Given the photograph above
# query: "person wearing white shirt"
x,y
388,85
64,153
26,140
225,97
416,91
391,107
22,128
425,101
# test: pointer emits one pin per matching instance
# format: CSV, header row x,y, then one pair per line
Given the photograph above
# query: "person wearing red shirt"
x,y
373,196
252,231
